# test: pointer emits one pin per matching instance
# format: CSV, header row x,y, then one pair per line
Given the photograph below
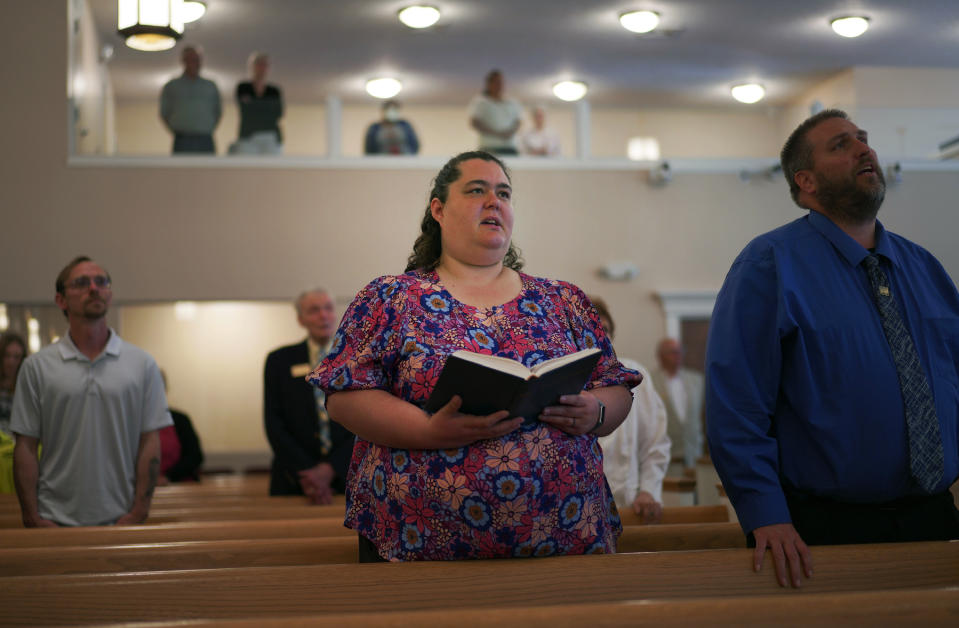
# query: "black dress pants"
x,y
825,522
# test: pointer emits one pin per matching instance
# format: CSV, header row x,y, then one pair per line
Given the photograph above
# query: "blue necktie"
x,y
323,418
925,442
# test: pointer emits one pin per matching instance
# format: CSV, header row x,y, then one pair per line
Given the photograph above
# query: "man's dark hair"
x,y
797,153
489,77
429,245
65,273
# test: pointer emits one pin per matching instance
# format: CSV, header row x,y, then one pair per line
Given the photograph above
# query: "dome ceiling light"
x,y
570,91
850,26
419,16
639,21
383,87
193,10
748,93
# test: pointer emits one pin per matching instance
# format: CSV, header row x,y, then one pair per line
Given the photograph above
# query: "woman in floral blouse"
x,y
452,485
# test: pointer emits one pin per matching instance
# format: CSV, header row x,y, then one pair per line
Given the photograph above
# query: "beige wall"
x,y
214,363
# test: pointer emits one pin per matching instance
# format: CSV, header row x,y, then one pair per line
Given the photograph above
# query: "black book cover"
x,y
488,388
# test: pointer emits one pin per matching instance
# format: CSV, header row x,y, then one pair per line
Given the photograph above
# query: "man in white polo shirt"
x,y
495,117
95,404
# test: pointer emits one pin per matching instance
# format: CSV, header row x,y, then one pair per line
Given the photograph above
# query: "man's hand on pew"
x,y
788,550
316,482
136,516
38,522
646,507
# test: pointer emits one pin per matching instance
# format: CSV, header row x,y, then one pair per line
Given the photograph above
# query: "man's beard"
x,y
848,201
91,312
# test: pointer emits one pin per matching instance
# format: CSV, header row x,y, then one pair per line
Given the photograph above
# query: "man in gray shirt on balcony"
x,y
190,106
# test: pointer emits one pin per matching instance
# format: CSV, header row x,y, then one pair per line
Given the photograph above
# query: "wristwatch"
x,y
602,416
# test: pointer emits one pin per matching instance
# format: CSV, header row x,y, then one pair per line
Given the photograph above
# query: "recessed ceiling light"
x,y
570,90
192,10
383,87
639,21
748,93
419,16
850,26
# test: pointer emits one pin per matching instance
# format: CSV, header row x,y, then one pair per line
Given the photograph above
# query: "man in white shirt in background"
x,y
682,392
495,117
636,454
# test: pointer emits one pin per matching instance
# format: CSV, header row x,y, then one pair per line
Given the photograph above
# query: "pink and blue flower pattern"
x,y
535,492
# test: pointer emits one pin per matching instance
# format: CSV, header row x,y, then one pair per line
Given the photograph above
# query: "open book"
x,y
488,383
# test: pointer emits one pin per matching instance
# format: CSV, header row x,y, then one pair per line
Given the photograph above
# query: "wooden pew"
x,y
682,514
636,538
680,536
930,608
172,532
265,592
314,550
285,511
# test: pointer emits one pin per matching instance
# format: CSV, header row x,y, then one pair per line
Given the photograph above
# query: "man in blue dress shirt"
x,y
809,399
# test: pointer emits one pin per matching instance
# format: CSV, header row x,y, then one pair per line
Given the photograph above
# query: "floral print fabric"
x,y
534,492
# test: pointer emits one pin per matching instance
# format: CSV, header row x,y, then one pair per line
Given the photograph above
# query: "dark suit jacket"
x,y
289,415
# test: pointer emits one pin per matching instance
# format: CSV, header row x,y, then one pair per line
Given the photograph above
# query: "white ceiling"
x,y
323,47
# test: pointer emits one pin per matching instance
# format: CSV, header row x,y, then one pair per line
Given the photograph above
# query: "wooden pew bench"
x,y
929,608
173,532
298,524
313,550
266,592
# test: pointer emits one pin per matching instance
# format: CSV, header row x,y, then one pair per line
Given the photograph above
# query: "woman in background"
x,y
12,351
181,455
261,107
450,485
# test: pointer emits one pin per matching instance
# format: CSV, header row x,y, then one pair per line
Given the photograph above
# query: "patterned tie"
x,y
925,442
323,418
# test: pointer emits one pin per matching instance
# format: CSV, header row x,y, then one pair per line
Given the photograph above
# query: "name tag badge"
x,y
300,370
883,291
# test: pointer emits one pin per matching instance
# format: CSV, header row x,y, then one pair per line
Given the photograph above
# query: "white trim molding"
x,y
680,304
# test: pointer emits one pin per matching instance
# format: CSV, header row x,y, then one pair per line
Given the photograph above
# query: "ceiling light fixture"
x,y
150,25
193,10
419,16
383,87
639,21
850,26
748,93
570,90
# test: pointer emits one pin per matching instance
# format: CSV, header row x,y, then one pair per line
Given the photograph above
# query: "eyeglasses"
x,y
82,283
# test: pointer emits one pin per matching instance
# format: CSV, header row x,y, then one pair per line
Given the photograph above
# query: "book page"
x,y
504,365
548,365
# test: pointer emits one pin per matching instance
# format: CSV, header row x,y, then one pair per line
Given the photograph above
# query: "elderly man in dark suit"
x,y
311,453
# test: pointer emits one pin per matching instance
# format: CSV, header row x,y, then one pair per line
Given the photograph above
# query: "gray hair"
x,y
297,303
255,56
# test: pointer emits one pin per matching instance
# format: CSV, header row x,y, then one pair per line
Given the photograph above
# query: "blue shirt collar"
x,y
852,251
